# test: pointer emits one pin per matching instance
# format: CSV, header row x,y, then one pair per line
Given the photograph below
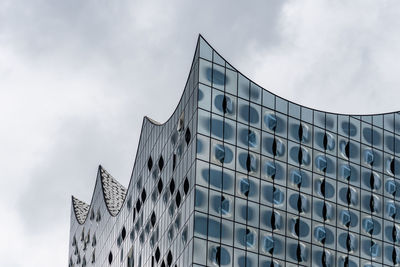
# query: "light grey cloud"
x,y
335,56
77,77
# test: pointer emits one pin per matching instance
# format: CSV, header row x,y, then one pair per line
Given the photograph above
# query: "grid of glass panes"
x,y
283,183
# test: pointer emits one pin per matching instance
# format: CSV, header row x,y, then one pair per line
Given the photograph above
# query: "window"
x,y
138,205
139,183
150,163
270,121
178,199
123,233
227,105
296,178
157,254
153,219
269,244
171,234
93,256
144,195
83,235
91,215
172,186
130,258
251,163
169,258
301,252
184,235
160,186
321,163
187,136
328,142
250,238
216,255
132,235
181,122
219,151
94,241
276,220
129,203
173,162
224,209
161,163
320,234
186,186
244,186
110,257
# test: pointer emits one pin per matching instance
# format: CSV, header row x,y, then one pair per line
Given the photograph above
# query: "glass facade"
x,y
241,177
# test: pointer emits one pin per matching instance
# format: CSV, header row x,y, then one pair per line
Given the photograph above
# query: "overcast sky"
x,y
77,77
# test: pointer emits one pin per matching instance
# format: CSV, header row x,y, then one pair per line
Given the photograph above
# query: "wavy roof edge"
x,y
81,209
113,194
201,38
79,206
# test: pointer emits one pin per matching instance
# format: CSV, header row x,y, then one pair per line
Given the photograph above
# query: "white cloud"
x,y
77,77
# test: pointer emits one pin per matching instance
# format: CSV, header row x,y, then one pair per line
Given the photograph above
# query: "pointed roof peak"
x,y
114,193
81,209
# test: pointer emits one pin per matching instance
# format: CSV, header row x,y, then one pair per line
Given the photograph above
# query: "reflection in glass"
x,y
269,244
321,163
270,121
369,157
320,234
270,169
279,197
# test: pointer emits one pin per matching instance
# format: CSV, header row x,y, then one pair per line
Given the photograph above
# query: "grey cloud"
x,y
134,57
70,168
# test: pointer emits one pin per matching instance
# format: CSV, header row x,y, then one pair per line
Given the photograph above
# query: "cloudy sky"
x,y
77,77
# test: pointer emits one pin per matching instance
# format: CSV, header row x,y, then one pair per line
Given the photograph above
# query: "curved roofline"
x,y
91,200
153,122
104,191
156,123
289,101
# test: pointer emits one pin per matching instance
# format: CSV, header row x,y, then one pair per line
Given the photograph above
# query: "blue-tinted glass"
x,y
205,50
345,172
268,99
296,178
252,138
374,249
270,169
274,184
321,163
269,244
320,234
368,157
244,186
231,82
281,105
278,196
219,151
250,238
391,210
345,218
225,206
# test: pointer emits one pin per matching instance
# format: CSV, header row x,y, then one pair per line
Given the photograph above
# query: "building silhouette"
x,y
238,176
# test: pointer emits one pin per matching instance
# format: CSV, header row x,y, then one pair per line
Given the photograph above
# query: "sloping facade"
x,y
241,177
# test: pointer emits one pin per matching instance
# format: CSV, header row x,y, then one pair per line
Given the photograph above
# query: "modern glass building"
x,y
241,177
